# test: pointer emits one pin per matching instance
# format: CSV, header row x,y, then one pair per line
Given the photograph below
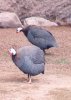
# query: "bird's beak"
x,y
9,53
17,32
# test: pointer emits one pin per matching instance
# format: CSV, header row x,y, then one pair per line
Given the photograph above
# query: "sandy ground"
x,y
55,84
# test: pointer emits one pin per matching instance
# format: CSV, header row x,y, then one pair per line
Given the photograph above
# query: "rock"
x,y
38,21
56,10
9,20
64,21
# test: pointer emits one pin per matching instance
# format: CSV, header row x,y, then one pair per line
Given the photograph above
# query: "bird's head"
x,y
12,51
22,29
19,29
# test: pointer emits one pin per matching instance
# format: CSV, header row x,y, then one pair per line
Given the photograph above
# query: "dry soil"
x,y
55,84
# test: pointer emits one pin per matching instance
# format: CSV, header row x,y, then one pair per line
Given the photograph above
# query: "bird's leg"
x,y
29,78
44,51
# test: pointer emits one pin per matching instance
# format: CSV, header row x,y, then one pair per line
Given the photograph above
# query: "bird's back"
x,y
41,38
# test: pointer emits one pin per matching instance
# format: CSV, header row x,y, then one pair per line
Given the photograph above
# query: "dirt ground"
x,y
55,84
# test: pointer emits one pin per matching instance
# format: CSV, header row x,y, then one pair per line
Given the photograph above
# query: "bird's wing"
x,y
40,34
31,62
38,40
31,67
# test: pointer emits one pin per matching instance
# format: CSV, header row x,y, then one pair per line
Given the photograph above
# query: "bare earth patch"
x,y
55,84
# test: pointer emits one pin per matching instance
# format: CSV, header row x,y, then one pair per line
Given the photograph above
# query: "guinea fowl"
x,y
39,37
29,59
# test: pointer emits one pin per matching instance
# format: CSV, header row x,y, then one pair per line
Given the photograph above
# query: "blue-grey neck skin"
x,y
25,31
13,57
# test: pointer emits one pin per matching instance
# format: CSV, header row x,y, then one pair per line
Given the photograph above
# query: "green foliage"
x,y
62,61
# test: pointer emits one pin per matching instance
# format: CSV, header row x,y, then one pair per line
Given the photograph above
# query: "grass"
x,y
62,61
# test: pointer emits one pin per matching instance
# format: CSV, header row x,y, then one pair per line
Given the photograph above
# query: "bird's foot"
x,y
29,82
29,79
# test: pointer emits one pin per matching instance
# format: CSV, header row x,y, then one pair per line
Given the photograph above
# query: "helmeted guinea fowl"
x,y
39,37
29,59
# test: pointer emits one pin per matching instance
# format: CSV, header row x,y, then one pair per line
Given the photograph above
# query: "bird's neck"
x,y
13,57
25,31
